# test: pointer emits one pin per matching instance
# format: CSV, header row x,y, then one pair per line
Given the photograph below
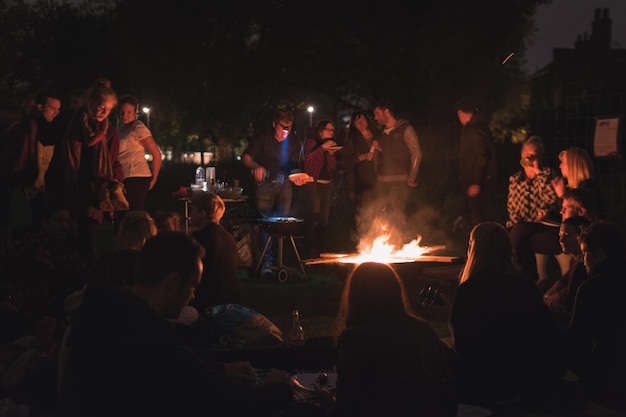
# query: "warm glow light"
x,y
310,109
381,251
146,110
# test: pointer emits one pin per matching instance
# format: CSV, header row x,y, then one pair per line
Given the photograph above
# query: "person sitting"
x,y
577,171
125,359
502,332
597,336
136,227
167,220
390,361
531,197
560,297
42,267
220,283
579,202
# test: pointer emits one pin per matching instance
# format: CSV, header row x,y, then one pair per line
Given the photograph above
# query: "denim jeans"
x,y
272,199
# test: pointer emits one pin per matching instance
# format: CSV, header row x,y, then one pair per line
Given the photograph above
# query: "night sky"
x,y
560,23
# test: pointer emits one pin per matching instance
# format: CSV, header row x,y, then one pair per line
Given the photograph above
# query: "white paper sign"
x,y
605,139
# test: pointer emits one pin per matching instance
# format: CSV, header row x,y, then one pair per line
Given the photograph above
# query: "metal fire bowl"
x,y
410,271
282,226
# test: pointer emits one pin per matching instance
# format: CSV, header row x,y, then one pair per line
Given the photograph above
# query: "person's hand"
x,y
532,170
240,372
552,300
152,183
328,144
300,180
366,156
541,214
473,190
411,183
376,145
259,173
559,186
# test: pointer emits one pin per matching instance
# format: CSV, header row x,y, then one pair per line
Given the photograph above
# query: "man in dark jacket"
x,y
125,359
477,164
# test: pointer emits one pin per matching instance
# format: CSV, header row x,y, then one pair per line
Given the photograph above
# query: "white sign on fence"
x,y
605,138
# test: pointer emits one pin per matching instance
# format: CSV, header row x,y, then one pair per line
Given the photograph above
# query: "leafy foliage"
x,y
218,70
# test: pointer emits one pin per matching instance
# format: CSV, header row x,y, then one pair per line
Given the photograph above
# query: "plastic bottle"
x,y
200,176
297,332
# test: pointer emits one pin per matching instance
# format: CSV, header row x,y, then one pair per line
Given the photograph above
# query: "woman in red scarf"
x,y
92,169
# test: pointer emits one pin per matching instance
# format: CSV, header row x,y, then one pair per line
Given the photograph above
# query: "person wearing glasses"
x,y
319,163
272,157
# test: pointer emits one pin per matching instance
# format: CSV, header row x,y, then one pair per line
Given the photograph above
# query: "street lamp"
x,y
310,109
146,110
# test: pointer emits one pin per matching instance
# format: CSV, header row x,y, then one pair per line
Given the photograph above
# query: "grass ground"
x,y
317,295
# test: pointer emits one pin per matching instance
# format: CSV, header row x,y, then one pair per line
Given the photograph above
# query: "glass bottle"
x,y
297,332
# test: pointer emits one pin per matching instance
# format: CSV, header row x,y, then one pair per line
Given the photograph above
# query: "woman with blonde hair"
x,y
489,252
389,360
135,229
577,171
502,331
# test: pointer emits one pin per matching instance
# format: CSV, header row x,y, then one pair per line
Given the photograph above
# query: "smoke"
x,y
387,214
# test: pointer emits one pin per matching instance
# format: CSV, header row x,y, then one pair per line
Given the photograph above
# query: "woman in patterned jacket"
x,y
532,204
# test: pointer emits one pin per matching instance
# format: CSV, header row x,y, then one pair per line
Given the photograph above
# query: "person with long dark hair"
x,y
503,334
390,361
320,164
359,154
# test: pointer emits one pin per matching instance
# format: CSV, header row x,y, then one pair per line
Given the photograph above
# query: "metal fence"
x,y
572,122
569,123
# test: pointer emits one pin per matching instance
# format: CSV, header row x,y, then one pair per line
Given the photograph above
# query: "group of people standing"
x,y
81,159
382,163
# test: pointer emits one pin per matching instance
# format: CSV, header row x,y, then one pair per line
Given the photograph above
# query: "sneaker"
x,y
266,271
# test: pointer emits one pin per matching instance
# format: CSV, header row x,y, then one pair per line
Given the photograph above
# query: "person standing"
x,y
477,161
359,154
93,173
319,163
135,140
54,176
400,158
46,109
272,157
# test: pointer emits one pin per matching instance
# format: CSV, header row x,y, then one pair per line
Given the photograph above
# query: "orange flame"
x,y
381,251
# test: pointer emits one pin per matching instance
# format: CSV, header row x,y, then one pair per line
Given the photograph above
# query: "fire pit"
x,y
409,260
411,271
